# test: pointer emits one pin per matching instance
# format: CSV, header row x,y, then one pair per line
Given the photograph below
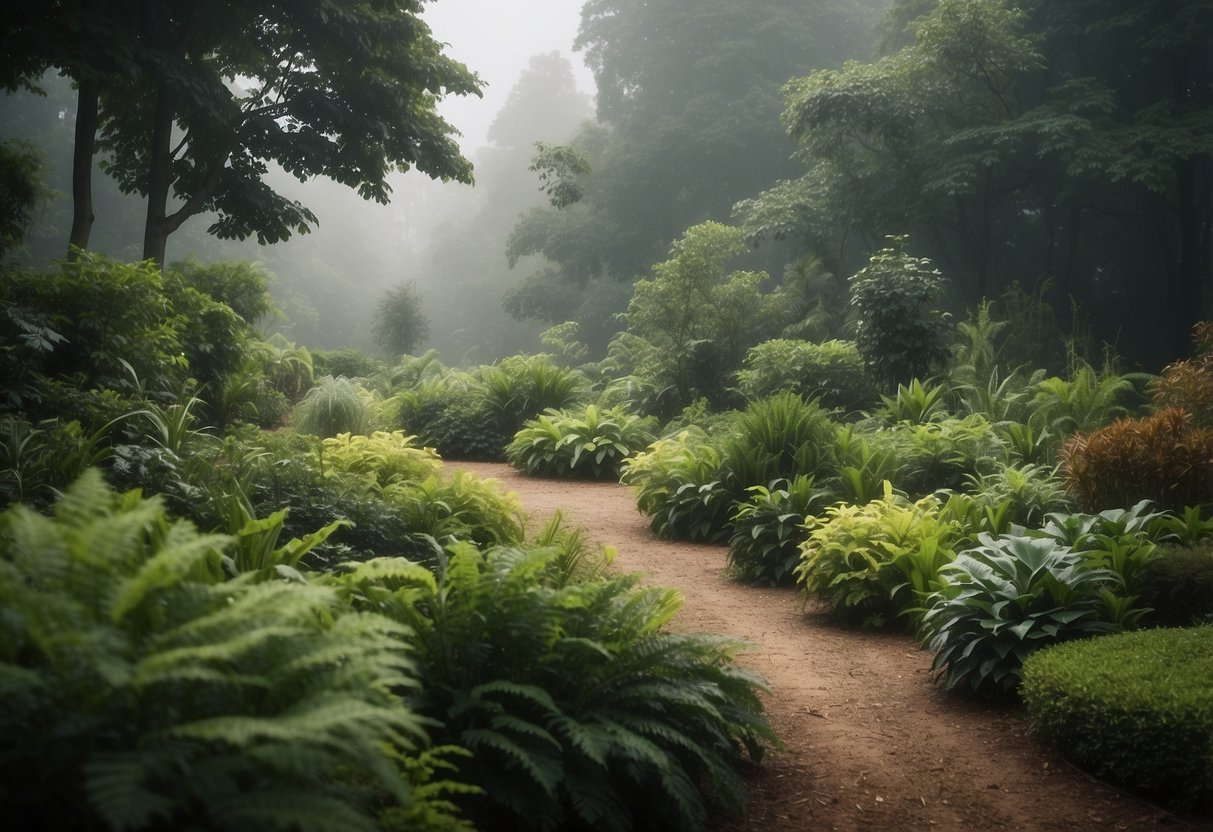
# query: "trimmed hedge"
x,y
1135,709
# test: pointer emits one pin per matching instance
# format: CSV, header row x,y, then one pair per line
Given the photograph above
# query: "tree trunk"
x,y
83,152
159,176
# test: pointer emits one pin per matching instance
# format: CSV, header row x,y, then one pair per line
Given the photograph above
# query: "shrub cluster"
x,y
585,443
1135,709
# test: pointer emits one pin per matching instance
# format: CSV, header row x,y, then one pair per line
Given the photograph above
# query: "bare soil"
x,y
870,742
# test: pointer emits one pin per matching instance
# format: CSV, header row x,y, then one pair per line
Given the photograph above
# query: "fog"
x,y
689,116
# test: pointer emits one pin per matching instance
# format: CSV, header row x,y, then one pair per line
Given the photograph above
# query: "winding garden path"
x,y
871,742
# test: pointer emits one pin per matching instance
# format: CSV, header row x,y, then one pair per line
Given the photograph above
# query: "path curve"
x,y
871,742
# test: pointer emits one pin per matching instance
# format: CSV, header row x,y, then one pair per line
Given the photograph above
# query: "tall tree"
x,y
1064,141
340,88
688,104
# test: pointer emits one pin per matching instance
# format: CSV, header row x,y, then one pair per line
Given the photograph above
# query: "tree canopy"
x,y
209,95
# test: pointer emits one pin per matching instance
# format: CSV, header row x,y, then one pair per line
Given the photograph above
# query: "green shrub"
x,y
378,460
1134,709
677,482
768,529
1007,598
1029,491
1177,586
944,454
778,438
350,363
453,418
586,443
831,372
333,406
91,319
866,562
580,710
463,508
126,661
523,386
901,333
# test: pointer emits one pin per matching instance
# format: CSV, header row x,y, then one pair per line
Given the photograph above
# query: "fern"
x,y
126,658
581,710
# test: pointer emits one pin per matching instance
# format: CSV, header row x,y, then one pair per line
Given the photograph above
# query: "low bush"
x,y
1007,598
1177,586
581,711
587,443
942,454
677,482
461,508
866,562
452,417
768,529
1029,492
378,460
333,406
523,386
1134,709
778,438
350,363
1166,458
831,372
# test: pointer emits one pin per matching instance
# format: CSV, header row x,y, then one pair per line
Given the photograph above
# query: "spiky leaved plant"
x,y
143,690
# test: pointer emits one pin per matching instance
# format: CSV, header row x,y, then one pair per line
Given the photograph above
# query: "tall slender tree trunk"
x,y
82,161
159,176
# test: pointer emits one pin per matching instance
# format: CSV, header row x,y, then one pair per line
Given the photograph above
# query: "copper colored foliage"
x,y
1166,457
1189,384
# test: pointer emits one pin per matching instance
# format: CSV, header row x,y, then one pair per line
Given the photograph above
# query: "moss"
x,y
1135,709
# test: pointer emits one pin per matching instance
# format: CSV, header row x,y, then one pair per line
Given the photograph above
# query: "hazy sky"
x,y
496,39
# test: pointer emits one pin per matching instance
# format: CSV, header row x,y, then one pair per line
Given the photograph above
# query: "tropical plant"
x,y
1089,399
1028,492
857,558
831,372
580,710
1189,384
778,437
521,387
1008,597
333,406
128,659
769,527
378,460
915,403
587,443
578,559
865,463
677,482
1166,457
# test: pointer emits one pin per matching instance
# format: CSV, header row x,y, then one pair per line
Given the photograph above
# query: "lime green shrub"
x,y
1134,709
146,691
831,372
586,443
460,508
378,460
768,529
333,406
866,562
581,710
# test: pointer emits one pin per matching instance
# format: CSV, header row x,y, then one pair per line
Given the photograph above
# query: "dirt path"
x,y
871,743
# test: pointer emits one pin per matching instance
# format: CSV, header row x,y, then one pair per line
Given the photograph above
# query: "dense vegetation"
x,y
229,554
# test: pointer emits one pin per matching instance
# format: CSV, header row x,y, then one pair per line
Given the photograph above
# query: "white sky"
x,y
496,39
